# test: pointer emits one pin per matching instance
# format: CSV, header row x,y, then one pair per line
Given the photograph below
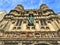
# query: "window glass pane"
x,y
43,22
18,22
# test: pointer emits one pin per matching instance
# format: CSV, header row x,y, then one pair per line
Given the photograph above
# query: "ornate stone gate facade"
x,y
30,27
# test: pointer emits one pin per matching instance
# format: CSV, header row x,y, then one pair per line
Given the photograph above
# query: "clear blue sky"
x,y
29,4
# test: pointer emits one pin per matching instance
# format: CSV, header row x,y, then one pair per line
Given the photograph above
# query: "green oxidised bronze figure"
x,y
31,20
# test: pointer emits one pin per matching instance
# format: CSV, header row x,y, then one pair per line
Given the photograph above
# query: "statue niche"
x,y
30,20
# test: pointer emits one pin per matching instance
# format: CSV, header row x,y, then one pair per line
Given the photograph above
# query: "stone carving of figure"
x,y
30,20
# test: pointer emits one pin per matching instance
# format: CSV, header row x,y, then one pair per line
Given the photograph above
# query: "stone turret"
x,y
45,10
19,7
44,7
